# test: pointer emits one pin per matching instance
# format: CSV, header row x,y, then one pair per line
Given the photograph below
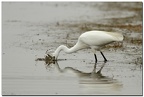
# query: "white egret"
x,y
91,39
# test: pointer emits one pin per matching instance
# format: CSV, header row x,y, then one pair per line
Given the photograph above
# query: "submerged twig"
x,y
48,59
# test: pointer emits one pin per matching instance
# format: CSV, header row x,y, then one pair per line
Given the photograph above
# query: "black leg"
x,y
94,69
105,60
95,58
101,68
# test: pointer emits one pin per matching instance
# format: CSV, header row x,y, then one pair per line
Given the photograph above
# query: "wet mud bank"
x,y
29,29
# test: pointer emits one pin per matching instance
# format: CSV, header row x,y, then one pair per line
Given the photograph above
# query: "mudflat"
x,y
29,29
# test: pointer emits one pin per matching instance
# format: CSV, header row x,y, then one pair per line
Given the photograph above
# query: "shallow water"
x,y
29,29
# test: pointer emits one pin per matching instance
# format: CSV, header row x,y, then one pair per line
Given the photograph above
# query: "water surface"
x,y
29,29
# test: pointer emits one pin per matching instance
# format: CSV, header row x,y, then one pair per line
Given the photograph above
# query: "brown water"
x,y
29,29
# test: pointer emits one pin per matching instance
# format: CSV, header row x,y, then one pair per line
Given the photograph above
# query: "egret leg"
x,y
105,60
95,58
101,68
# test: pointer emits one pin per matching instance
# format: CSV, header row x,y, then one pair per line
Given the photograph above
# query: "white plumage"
x,y
91,39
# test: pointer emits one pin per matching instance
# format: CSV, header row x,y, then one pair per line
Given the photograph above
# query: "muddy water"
x,y
29,29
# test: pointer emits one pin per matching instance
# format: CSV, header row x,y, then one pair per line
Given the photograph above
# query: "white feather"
x,y
92,39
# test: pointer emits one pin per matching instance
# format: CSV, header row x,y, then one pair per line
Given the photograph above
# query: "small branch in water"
x,y
40,59
48,59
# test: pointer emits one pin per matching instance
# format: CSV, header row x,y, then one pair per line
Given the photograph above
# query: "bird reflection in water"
x,y
92,77
89,82
92,82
